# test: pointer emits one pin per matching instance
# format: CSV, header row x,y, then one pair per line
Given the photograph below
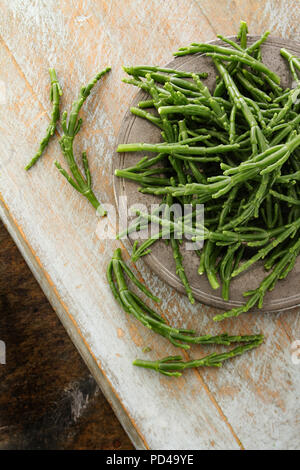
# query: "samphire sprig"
x,y
280,271
82,184
234,149
173,365
117,271
55,93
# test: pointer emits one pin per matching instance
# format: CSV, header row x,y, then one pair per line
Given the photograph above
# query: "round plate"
x,y
134,129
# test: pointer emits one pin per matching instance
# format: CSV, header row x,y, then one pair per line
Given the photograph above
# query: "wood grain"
x,y
48,398
252,402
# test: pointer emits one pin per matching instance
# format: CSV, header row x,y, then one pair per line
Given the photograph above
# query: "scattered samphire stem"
x,y
173,366
132,304
82,183
55,93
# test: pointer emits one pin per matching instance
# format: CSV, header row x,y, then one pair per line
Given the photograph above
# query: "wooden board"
x,y
50,400
253,402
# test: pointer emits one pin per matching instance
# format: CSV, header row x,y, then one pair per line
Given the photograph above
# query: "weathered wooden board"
x,y
253,402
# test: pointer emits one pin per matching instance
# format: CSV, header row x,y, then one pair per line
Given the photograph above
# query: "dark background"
x,y
48,399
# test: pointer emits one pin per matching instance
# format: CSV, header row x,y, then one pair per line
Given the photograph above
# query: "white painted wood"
x,y
253,401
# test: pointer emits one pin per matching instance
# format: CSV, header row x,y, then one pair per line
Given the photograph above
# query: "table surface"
x,y
48,399
253,401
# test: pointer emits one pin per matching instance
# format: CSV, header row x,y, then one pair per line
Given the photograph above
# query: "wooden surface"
x,y
253,402
48,398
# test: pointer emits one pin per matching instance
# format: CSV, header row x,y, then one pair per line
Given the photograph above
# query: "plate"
x,y
134,129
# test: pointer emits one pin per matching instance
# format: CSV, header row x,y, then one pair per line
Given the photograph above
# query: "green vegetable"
x,y
171,365
176,148
82,183
234,149
225,53
280,271
55,93
293,61
134,305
